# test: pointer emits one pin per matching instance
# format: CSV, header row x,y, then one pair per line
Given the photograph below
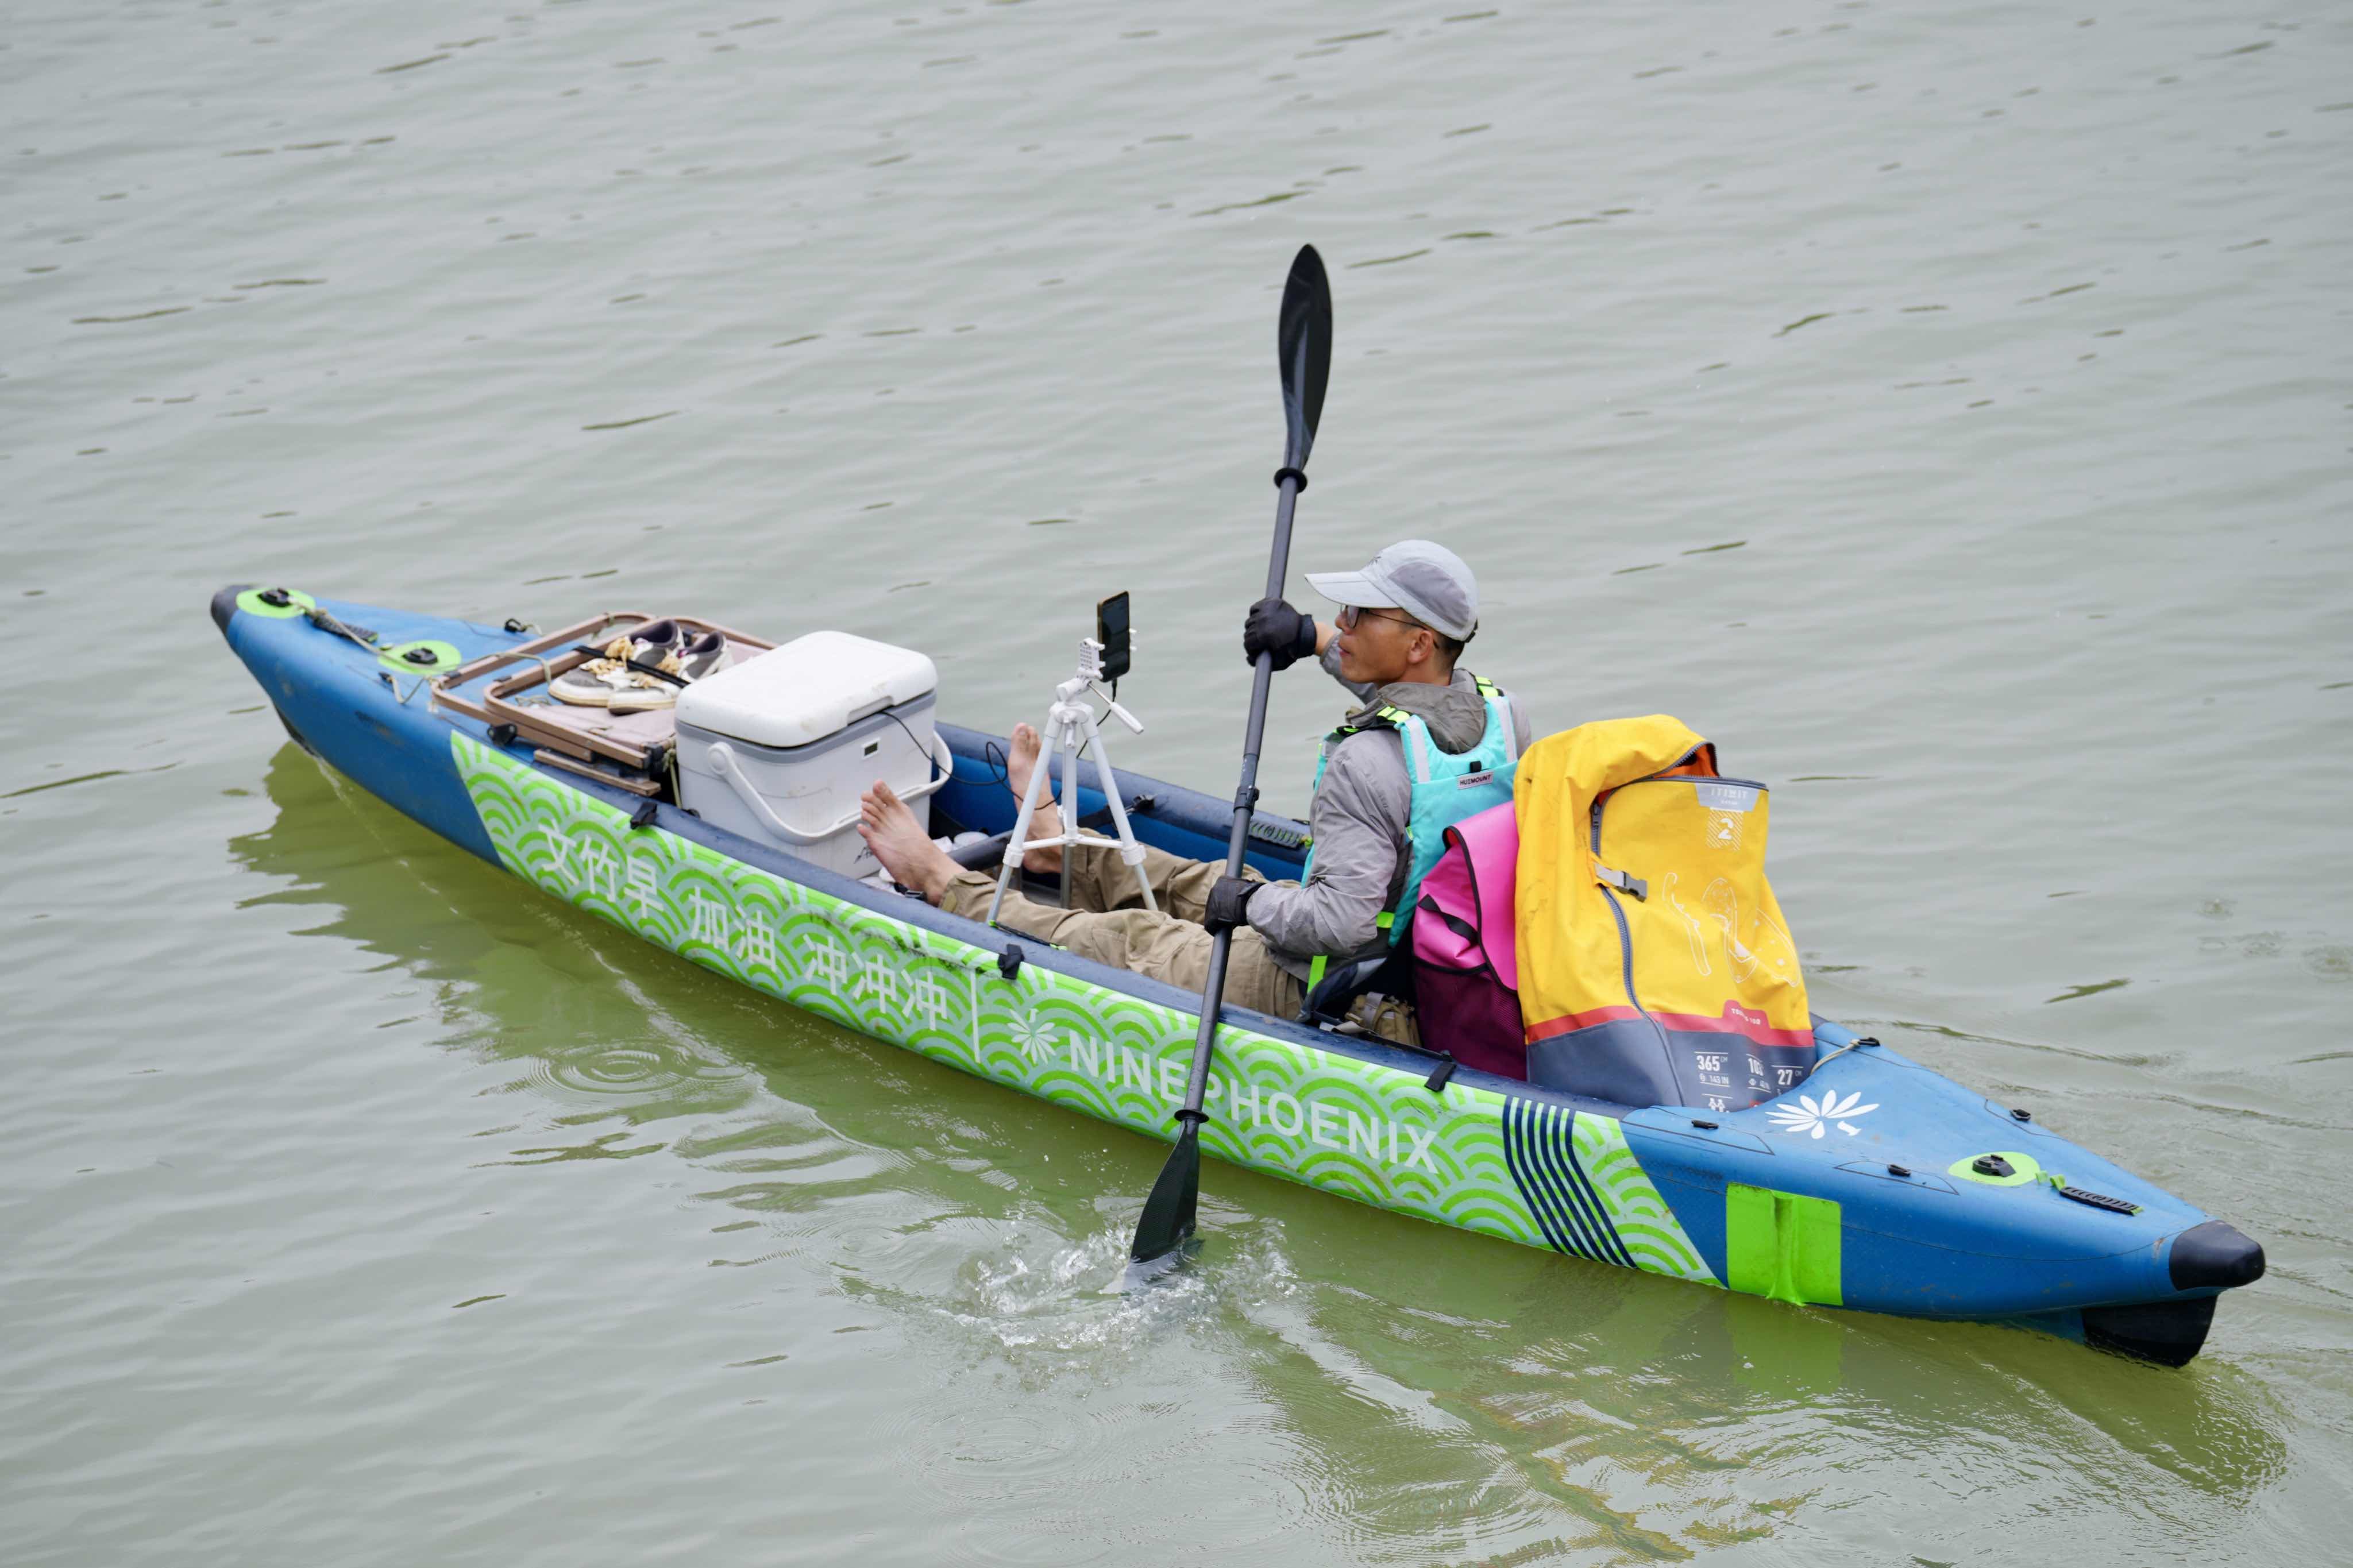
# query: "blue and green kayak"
x,y
1874,1184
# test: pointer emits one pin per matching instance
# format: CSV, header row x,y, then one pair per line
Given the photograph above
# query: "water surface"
x,y
1942,408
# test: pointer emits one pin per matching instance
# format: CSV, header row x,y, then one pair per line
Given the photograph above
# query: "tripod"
x,y
1072,723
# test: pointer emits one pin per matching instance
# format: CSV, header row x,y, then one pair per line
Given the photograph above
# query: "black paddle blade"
x,y
1145,1276
1169,1212
1302,351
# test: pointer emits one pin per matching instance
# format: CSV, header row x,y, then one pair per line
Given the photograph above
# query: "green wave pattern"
x,y
1653,1236
1369,1132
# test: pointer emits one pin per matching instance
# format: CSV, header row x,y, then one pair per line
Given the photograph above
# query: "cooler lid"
x,y
809,688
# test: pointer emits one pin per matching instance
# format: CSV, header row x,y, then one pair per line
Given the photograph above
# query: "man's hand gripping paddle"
x,y
1304,356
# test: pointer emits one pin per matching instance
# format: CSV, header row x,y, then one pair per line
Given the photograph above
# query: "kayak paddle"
x,y
1304,356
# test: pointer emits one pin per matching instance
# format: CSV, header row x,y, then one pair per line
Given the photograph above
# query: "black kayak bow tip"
x,y
1302,351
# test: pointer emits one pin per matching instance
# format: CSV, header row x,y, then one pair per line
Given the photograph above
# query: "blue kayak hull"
x,y
1865,1187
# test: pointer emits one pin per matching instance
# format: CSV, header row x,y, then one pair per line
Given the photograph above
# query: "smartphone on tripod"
x,y
1112,632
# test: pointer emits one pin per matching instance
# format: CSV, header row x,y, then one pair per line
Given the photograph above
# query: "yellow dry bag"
x,y
1655,967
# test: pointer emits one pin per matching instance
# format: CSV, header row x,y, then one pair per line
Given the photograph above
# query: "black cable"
x,y
929,755
1000,765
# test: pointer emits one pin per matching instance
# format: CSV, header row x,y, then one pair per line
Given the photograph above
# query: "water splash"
x,y
1039,1289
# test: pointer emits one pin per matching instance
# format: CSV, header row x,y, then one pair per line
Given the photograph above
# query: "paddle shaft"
x,y
1213,989
1303,336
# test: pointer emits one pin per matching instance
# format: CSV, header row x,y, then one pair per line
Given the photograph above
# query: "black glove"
x,y
1229,903
1272,627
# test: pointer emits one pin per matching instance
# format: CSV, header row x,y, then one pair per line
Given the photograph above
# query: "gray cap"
x,y
1428,581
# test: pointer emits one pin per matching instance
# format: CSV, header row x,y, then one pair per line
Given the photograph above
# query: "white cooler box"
x,y
779,748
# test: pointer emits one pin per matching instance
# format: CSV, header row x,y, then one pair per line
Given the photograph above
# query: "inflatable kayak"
x,y
1873,1183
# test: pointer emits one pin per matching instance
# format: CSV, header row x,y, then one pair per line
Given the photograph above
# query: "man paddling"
x,y
1432,744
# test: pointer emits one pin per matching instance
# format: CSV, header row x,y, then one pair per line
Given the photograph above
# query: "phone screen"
x,y
1110,630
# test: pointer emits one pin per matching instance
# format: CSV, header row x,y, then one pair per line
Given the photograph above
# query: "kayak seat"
x,y
1329,999
1345,983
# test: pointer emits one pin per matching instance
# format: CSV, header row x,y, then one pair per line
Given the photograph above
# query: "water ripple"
x,y
294,1078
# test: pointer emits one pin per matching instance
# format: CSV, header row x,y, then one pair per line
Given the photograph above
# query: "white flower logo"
x,y
1034,1040
1814,1114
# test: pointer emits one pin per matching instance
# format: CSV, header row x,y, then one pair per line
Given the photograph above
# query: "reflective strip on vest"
x,y
1323,961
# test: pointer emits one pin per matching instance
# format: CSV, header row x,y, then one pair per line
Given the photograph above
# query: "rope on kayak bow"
x,y
1851,1045
328,623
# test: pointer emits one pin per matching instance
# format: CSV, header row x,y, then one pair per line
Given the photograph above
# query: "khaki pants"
x,y
1107,921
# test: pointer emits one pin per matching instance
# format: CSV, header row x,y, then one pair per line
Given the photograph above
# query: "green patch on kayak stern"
x,y
1781,1245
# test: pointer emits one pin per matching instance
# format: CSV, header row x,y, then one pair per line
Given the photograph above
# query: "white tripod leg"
x,y
1129,849
1016,847
1068,746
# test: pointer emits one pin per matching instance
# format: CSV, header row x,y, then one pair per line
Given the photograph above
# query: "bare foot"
x,y
900,842
1020,761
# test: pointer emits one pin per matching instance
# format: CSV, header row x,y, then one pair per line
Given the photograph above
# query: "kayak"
x,y
1873,1183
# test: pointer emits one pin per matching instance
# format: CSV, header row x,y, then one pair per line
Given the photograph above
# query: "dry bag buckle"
x,y
1632,886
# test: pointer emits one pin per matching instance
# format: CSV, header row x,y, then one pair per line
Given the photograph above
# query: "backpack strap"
x,y
1455,923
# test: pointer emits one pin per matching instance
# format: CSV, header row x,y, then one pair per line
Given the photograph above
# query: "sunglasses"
x,y
1350,615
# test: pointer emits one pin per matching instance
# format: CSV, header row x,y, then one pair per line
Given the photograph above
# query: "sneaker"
x,y
595,683
705,655
656,639
693,660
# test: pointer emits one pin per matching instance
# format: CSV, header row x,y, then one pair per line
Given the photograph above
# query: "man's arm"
x,y
1359,820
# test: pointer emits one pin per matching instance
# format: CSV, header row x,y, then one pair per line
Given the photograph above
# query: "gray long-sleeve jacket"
x,y
1360,819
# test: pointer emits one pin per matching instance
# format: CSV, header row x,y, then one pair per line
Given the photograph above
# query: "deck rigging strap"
x,y
326,622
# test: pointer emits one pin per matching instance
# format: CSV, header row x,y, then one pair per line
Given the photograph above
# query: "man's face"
x,y
1379,646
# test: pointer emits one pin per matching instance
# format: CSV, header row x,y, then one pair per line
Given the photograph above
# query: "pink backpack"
x,y
1466,971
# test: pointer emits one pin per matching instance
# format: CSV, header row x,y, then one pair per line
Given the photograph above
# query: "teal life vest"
x,y
1446,788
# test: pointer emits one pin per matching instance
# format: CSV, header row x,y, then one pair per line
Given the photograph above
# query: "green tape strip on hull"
x,y
1363,1132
